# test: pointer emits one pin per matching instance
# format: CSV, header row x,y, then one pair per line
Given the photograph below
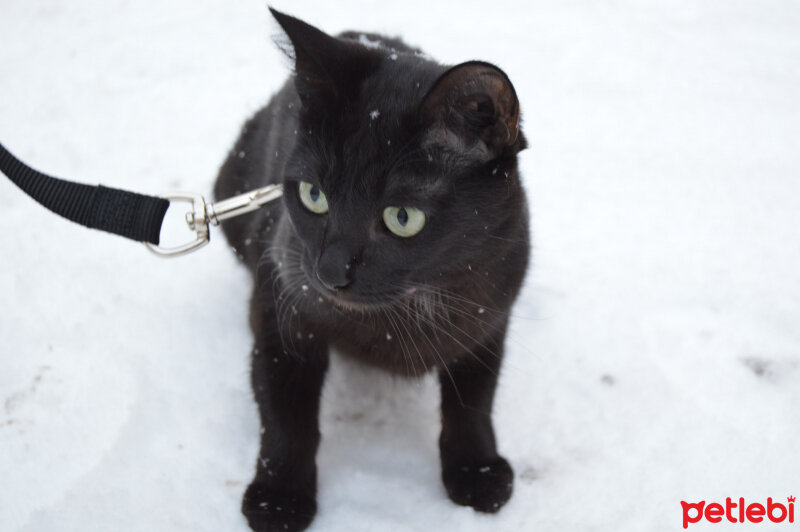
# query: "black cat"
x,y
401,240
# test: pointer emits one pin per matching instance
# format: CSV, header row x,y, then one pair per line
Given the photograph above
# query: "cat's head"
x,y
404,171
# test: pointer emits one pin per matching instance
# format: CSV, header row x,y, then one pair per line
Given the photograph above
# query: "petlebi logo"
x,y
738,511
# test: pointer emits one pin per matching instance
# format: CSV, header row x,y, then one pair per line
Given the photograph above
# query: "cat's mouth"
x,y
351,298
348,299
358,306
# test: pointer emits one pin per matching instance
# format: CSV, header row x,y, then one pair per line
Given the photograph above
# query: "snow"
x,y
366,41
654,355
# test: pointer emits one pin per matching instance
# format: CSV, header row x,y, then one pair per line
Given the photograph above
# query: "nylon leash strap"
x,y
123,213
135,216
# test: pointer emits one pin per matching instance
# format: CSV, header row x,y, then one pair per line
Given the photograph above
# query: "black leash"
x,y
123,213
135,216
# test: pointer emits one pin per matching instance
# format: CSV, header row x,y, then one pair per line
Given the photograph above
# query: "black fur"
x,y
443,140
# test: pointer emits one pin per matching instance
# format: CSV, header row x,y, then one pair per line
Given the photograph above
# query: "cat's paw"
x,y
486,486
268,510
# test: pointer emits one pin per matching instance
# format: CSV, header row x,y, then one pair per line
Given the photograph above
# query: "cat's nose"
x,y
334,268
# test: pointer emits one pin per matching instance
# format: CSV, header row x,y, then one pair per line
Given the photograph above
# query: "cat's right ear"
x,y
472,109
321,61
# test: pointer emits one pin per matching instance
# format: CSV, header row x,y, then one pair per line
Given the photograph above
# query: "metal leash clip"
x,y
204,213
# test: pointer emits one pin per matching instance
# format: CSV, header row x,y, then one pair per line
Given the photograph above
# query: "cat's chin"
x,y
356,305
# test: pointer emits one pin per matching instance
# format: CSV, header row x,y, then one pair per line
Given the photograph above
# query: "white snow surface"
x,y
654,355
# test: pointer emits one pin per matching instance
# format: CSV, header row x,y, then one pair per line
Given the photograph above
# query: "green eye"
x,y
313,198
404,221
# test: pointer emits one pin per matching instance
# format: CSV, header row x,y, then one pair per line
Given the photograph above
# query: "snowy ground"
x,y
655,355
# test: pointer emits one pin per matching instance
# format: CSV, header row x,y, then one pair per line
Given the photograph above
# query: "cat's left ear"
x,y
473,109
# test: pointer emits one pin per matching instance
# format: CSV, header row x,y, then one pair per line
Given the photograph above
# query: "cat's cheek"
x,y
303,230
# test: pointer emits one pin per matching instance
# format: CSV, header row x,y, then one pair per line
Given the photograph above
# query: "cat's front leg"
x,y
287,385
472,471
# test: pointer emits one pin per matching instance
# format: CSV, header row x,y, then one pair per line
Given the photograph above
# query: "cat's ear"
x,y
310,50
473,109
322,62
